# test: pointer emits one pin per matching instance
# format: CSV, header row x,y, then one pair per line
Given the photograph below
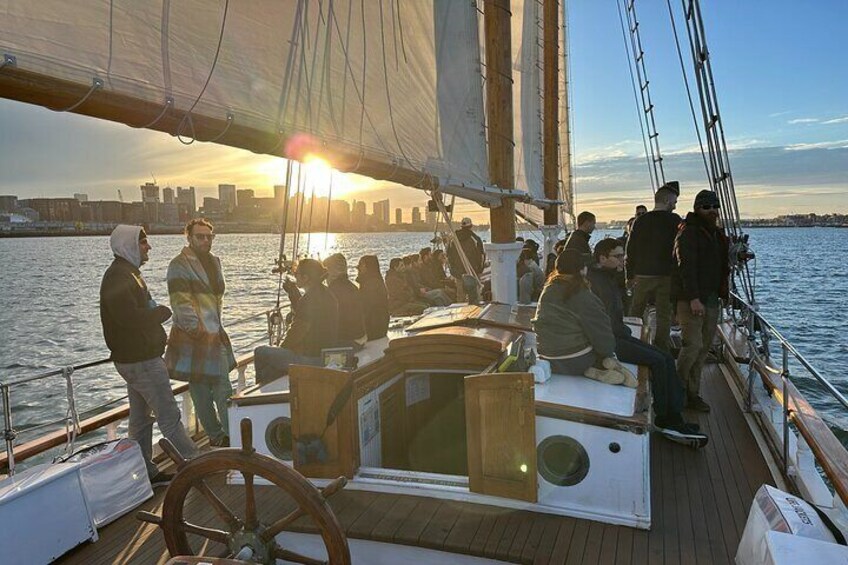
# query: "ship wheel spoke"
x,y
209,533
287,555
277,527
218,505
249,501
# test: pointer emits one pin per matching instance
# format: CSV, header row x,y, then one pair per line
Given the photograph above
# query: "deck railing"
x,y
758,336
100,416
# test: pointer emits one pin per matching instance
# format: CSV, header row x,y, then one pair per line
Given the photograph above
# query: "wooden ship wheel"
x,y
247,538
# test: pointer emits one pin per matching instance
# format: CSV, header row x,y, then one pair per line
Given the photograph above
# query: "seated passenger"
x,y
374,296
351,325
572,328
314,325
412,272
531,279
666,388
402,301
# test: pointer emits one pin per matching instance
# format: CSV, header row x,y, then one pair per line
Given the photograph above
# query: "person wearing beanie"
x,y
351,325
699,281
375,297
472,248
573,330
132,327
314,325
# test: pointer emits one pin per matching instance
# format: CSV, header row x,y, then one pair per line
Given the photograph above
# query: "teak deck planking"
x,y
700,500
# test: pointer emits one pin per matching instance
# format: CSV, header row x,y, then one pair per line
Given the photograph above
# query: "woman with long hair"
x,y
573,330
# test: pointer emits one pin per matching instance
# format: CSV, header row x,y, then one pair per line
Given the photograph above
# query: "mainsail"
x,y
391,90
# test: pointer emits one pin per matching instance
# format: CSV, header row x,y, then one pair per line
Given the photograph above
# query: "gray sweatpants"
x,y
151,400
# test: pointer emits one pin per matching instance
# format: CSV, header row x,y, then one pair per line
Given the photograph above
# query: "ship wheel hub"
x,y
262,551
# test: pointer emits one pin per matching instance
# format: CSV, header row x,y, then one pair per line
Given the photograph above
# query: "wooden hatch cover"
x,y
501,435
323,422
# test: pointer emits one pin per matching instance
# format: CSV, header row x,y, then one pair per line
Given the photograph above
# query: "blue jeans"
x,y
206,398
666,387
271,363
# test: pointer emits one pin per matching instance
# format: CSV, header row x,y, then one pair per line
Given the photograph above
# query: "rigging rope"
x,y
627,54
187,115
96,84
72,425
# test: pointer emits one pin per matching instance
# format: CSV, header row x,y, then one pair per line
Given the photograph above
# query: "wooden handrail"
x,y
826,447
53,439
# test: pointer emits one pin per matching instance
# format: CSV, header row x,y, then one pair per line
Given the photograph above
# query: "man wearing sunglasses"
x,y
700,280
199,350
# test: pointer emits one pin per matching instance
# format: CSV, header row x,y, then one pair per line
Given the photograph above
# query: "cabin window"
x,y
278,438
562,460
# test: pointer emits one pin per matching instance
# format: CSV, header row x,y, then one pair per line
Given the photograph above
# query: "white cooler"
x,y
43,514
114,478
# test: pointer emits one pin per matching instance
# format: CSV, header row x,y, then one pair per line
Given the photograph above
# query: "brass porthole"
x,y
278,438
562,461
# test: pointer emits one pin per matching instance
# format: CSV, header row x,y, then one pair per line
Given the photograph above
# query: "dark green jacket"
x,y
566,327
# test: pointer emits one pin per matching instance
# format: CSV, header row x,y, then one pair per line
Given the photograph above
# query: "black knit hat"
x,y
571,261
311,268
706,198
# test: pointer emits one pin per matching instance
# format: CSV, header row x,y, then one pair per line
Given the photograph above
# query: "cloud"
x,y
778,114
803,121
842,120
842,144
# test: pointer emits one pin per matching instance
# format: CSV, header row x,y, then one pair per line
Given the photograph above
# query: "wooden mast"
x,y
550,30
498,36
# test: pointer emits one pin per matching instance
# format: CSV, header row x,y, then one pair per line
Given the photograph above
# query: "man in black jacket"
x,y
666,388
579,238
314,325
699,281
351,325
472,248
132,328
375,297
650,261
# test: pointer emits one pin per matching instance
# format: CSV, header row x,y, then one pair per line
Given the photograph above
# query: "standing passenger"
x,y
699,282
132,328
650,259
199,349
579,238
472,248
314,325
374,296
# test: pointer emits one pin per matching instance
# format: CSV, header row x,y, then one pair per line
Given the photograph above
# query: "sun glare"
x,y
322,178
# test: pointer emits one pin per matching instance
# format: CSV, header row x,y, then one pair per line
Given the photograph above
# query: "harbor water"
x,y
49,304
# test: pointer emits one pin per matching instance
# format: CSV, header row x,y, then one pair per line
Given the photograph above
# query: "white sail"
x,y
393,83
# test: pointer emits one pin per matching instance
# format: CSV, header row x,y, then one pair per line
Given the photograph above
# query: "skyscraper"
x,y
168,195
227,197
150,193
380,209
187,197
358,217
416,215
398,216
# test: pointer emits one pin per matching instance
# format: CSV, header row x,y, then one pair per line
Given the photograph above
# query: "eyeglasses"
x,y
204,236
708,207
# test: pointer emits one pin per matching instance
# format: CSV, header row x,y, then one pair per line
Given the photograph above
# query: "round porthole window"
x,y
562,461
278,438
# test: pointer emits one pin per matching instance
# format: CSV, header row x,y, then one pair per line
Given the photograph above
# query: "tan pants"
x,y
660,288
698,333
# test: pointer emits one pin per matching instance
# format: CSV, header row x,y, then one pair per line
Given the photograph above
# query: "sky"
x,y
779,69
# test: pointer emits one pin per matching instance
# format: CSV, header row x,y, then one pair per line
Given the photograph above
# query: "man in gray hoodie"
x,y
132,328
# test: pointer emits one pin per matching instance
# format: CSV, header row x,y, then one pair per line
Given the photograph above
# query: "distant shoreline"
x,y
238,231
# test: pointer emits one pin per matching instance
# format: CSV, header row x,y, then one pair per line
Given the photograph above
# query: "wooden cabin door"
x,y
323,422
501,433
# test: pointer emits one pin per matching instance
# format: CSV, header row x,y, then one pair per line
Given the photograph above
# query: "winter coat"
x,y
579,240
199,349
565,327
399,292
606,286
349,302
375,305
702,262
131,327
472,246
650,247
315,323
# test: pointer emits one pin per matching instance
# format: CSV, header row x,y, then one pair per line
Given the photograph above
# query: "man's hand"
x,y
697,307
163,312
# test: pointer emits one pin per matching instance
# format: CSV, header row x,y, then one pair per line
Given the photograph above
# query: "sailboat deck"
x,y
700,501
